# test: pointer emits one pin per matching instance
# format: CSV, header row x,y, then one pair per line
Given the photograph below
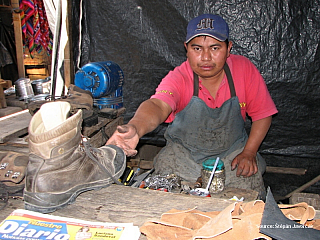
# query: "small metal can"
x,y
218,182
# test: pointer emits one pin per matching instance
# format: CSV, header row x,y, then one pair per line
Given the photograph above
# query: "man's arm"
x,y
246,162
148,116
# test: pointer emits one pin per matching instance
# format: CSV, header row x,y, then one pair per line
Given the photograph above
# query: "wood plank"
x,y
125,204
103,121
5,83
284,170
99,139
14,125
19,145
68,51
18,38
90,131
3,103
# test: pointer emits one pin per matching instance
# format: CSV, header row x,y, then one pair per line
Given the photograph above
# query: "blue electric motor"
x,y
104,80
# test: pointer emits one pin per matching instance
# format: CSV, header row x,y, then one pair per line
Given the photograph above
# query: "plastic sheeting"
x,y
280,37
8,62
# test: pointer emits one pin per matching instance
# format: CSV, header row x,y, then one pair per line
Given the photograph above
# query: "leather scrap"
x,y
217,225
300,211
240,220
276,225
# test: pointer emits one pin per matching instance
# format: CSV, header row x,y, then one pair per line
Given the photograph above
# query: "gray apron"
x,y
199,132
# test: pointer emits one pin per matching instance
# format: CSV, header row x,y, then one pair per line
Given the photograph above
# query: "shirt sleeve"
x,y
172,87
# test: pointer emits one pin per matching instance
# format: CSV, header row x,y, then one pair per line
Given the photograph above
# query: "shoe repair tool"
x,y
127,175
141,177
132,179
204,192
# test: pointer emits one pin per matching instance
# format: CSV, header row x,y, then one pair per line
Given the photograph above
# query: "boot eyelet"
x,y
61,151
3,165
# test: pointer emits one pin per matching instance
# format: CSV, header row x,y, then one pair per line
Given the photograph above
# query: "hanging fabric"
x,y
35,28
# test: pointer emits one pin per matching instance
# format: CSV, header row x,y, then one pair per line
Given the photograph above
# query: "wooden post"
x,y
18,37
68,56
303,187
3,103
4,84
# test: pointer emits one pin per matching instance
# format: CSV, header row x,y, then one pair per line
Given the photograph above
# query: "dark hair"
x,y
226,41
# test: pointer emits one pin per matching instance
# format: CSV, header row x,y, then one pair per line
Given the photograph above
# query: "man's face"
x,y
207,56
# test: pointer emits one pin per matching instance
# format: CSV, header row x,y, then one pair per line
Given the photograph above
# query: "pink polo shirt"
x,y
176,89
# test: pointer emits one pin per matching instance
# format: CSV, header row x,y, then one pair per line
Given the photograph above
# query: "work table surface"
x,y
124,204
118,204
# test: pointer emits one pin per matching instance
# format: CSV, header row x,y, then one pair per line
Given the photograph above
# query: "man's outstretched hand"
x,y
125,137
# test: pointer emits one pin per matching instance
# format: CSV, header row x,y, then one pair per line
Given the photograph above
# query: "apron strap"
x,y
230,80
195,84
229,77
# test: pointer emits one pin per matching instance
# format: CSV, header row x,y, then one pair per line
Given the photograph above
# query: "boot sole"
x,y
40,202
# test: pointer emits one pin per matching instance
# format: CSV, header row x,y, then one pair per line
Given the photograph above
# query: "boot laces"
x,y
92,154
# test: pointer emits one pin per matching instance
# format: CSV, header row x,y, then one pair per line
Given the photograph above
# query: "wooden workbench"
x,y
117,203
125,204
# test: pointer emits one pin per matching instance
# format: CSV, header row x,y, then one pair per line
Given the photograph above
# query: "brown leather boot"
x,y
77,97
12,172
61,166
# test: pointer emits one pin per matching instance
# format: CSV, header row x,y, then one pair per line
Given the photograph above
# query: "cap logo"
x,y
205,24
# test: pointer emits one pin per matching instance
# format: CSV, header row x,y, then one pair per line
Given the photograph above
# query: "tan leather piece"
x,y
155,231
300,211
217,225
248,208
244,228
191,219
315,224
239,221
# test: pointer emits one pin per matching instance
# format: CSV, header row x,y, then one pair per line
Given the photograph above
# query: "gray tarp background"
x,y
280,37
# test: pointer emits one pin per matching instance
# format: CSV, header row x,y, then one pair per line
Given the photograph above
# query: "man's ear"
x,y
186,48
229,48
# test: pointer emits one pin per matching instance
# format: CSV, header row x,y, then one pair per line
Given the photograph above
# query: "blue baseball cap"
x,y
208,25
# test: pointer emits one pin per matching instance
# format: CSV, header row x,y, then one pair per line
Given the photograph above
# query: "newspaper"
x,y
29,225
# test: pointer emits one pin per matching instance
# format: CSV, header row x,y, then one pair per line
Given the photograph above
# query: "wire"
x,y
80,35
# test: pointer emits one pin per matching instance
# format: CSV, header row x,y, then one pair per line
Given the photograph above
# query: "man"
x,y
206,100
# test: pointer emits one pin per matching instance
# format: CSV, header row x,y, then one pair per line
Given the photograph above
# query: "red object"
x,y
142,185
162,189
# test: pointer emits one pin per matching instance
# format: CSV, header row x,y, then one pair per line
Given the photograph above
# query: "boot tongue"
x,y
54,113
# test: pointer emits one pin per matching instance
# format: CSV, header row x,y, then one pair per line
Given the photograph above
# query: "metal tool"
x,y
141,177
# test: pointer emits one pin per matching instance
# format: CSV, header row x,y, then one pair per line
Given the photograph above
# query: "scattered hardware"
x,y
158,182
